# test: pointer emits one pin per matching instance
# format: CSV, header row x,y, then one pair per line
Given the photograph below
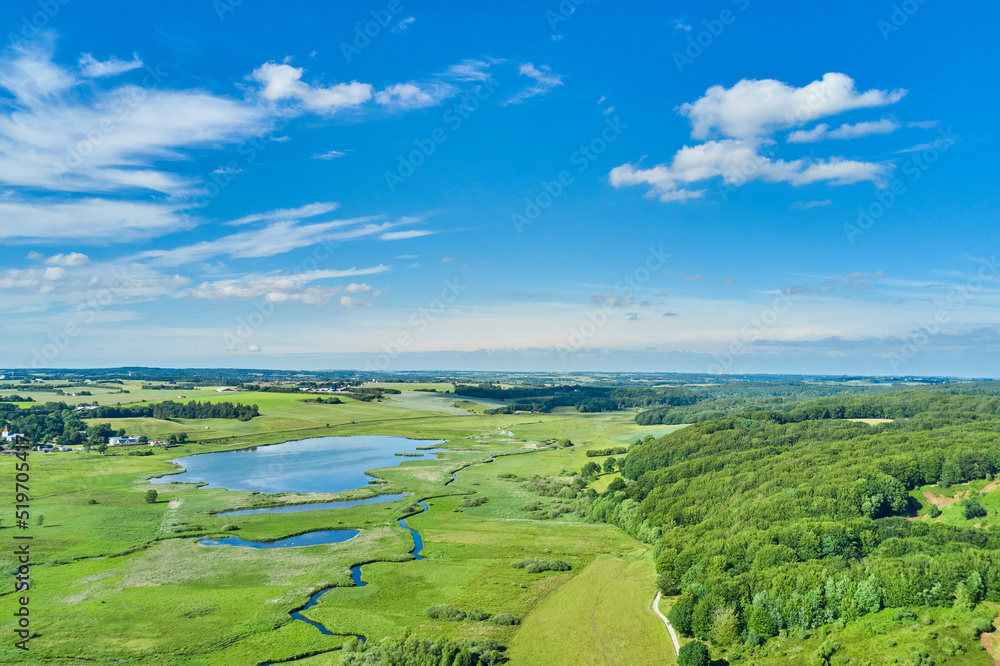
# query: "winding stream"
x,y
418,546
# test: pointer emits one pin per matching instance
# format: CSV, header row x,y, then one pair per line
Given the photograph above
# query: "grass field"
x,y
116,578
600,617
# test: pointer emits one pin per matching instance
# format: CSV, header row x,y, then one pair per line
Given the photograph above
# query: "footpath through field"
x,y
673,634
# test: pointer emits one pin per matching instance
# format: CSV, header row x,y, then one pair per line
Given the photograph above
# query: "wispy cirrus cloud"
x,y
403,235
845,131
283,232
88,220
411,95
309,210
93,68
544,81
806,205
273,239
282,288
329,155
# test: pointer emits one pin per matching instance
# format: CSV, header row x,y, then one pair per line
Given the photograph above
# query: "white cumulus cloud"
x,y
284,82
736,124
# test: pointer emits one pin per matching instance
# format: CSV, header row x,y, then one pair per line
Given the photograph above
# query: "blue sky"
x,y
730,187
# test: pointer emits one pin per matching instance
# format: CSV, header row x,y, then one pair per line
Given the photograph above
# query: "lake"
x,y
308,539
317,465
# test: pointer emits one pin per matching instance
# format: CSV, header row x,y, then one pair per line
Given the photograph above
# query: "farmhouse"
x,y
123,441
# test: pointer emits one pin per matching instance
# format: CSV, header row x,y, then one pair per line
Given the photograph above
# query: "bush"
x,y
479,615
445,612
150,496
470,502
934,512
951,647
504,618
980,625
971,508
693,654
531,565
229,527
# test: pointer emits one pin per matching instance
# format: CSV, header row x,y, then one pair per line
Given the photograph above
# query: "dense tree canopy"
x,y
770,521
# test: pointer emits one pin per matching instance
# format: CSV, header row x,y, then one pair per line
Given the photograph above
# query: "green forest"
x,y
788,521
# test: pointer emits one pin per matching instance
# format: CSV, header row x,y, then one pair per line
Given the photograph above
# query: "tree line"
x,y
176,410
584,398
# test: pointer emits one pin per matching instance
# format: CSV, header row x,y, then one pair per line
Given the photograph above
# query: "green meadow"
x,y
118,579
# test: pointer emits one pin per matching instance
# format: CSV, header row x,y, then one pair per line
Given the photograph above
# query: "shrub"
x,y
445,612
980,625
971,508
504,618
229,527
693,654
531,565
532,506
479,615
951,647
470,502
934,512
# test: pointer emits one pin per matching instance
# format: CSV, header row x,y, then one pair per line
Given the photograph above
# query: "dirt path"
x,y
940,501
597,632
673,634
